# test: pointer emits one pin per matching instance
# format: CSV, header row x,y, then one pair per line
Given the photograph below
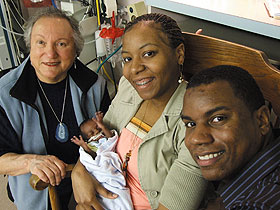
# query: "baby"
x,y
93,134
98,156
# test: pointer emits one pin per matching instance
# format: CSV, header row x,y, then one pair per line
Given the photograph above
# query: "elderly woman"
x,y
42,102
160,171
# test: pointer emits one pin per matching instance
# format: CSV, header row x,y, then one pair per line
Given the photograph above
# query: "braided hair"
x,y
168,26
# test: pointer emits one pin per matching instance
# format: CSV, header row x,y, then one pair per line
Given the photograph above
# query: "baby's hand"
x,y
77,141
99,119
99,116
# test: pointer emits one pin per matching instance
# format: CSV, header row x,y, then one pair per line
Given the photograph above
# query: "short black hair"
x,y
243,84
82,133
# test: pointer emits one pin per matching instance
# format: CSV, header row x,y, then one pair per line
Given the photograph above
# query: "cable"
x,y
12,32
92,40
13,35
95,59
18,11
108,58
108,76
98,12
113,75
86,13
94,7
6,29
103,8
54,5
15,18
84,3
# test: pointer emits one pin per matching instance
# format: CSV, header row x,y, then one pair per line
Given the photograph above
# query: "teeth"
x,y
210,156
143,82
52,64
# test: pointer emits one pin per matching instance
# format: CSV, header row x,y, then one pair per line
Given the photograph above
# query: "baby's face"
x,y
90,129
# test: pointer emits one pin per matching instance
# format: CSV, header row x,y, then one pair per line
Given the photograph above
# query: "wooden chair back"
x,y
204,52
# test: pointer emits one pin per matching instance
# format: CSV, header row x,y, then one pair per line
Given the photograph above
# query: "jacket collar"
x,y
25,89
170,114
173,107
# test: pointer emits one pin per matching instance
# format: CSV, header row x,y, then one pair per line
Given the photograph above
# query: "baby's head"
x,y
89,128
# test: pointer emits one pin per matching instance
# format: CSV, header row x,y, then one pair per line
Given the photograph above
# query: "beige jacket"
x,y
167,172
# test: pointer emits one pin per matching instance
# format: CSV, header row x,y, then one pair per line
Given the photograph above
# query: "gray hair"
x,y
54,13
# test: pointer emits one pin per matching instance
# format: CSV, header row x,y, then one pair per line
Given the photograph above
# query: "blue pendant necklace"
x,y
61,133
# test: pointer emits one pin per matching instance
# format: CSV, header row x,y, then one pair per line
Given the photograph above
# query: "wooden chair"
x,y
38,184
204,52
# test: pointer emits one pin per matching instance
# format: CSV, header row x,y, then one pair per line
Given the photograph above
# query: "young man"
x,y
228,134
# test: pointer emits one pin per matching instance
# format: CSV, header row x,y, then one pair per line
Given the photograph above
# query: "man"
x,y
228,134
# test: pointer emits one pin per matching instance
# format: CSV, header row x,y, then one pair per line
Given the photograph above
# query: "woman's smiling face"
x,y
150,64
52,50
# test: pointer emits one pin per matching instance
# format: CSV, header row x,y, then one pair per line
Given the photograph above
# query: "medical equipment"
x,y
112,37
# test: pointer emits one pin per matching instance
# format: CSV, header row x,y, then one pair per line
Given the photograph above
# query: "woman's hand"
x,y
199,31
86,188
48,168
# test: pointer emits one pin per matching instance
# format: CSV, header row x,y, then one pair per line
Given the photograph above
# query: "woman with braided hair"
x,y
160,172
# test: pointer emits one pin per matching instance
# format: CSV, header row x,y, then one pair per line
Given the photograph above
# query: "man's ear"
x,y
263,117
180,53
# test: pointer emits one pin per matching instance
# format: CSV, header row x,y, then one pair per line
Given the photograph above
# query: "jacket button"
x,y
154,194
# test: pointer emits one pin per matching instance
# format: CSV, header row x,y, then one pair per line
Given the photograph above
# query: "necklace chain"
x,y
63,106
134,144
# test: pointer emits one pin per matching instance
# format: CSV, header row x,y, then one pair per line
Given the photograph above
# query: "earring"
x,y
181,78
75,66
